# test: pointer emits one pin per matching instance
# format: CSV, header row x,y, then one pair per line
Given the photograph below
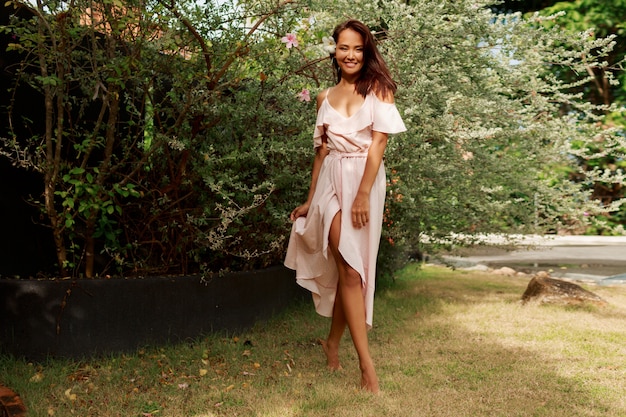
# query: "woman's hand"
x,y
300,211
360,210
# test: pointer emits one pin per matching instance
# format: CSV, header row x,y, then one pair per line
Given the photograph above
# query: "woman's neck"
x,y
348,81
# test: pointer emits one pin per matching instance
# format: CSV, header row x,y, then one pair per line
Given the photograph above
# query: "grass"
x,y
446,343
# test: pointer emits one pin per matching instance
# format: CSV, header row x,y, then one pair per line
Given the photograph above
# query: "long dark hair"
x,y
374,75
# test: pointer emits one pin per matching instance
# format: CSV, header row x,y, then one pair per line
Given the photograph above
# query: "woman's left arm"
x,y
361,204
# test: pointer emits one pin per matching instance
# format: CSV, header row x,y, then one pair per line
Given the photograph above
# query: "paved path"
x,y
600,259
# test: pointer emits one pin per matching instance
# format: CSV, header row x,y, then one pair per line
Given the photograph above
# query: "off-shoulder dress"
x,y
349,139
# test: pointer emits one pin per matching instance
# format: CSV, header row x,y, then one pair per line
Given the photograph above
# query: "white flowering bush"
x,y
223,100
489,124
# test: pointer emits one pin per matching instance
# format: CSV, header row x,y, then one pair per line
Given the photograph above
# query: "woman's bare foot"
x,y
332,355
369,380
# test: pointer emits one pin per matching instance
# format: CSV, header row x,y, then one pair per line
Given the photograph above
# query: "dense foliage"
x,y
177,136
600,19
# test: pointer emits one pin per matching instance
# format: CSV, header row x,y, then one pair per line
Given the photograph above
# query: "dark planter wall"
x,y
77,318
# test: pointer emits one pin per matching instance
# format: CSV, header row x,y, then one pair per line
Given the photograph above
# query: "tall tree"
x,y
601,19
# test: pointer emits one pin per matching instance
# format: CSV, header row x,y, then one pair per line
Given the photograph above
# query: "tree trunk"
x,y
90,247
52,151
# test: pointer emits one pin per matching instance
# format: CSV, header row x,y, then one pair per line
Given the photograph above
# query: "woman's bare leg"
x,y
337,327
349,290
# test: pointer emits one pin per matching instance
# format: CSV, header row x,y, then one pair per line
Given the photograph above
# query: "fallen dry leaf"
x,y
37,377
69,395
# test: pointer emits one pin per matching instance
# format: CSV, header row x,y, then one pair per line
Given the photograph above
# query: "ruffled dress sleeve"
x,y
386,117
319,127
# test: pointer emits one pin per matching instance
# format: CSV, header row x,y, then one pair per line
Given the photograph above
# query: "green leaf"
x,y
77,171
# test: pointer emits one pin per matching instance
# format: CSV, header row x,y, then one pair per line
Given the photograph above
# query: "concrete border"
x,y
592,259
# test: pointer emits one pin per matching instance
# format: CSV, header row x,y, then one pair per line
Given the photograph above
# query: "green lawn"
x,y
446,343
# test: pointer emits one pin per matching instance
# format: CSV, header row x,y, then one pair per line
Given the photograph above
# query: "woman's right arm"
x,y
320,154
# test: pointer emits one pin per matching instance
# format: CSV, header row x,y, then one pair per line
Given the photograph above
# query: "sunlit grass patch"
x,y
446,343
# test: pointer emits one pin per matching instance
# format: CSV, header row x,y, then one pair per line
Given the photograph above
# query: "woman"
x,y
335,236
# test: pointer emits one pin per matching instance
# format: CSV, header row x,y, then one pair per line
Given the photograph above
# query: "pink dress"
x,y
349,139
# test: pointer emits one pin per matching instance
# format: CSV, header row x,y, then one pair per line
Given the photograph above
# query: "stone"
x,y
545,290
505,270
478,267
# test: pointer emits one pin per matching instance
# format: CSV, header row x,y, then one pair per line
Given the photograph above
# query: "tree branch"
x,y
244,44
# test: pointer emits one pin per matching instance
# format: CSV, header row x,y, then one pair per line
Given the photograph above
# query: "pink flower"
x,y
304,95
290,40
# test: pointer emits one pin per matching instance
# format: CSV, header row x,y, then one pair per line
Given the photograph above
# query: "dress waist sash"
x,y
338,154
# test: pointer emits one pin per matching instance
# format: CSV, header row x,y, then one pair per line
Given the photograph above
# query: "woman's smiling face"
x,y
349,52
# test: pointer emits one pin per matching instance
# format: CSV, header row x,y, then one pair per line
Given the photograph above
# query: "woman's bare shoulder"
x,y
321,96
385,97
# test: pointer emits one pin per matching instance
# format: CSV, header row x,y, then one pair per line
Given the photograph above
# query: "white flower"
x,y
328,44
306,24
